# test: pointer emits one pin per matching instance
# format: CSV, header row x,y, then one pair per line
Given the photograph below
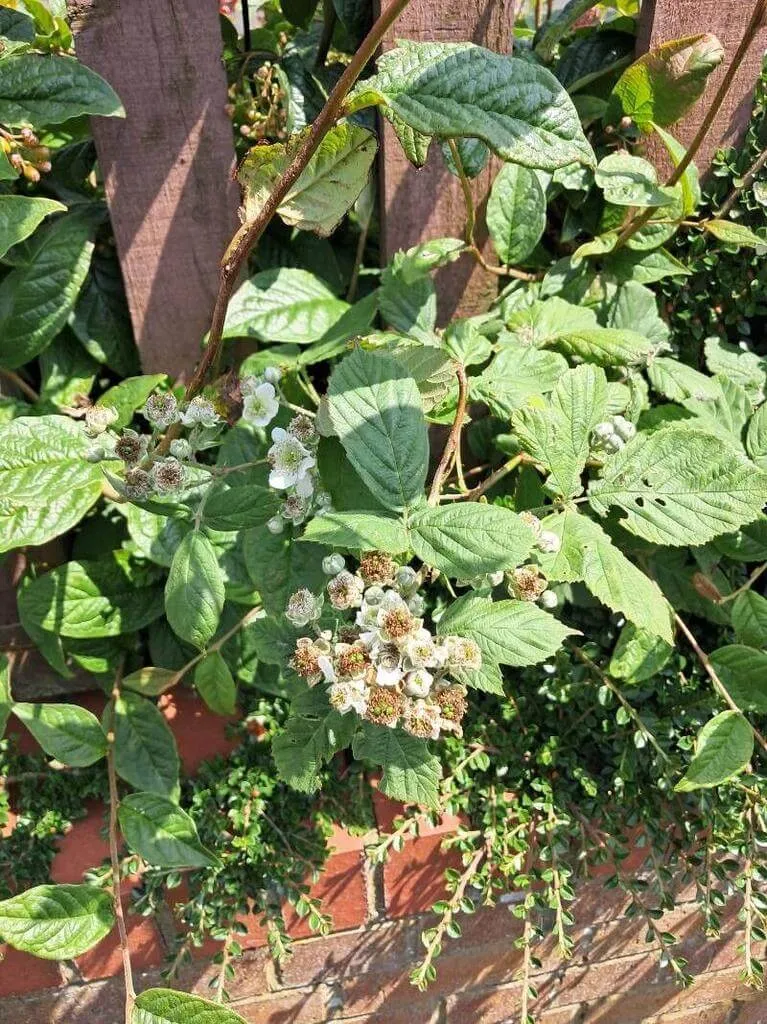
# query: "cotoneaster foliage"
x,y
295,538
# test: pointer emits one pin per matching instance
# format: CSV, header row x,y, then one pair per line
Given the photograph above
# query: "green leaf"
x,y
515,375
690,181
638,655
516,212
375,409
358,531
101,319
508,632
749,619
6,699
679,486
662,84
743,670
410,772
631,181
587,553
20,215
299,12
733,234
151,681
37,296
413,264
215,684
473,154
129,395
166,1006
46,486
740,365
749,544
644,267
458,89
488,678
723,749
16,26
67,372
104,597
677,381
408,307
194,591
240,504
541,323
51,89
278,567
159,831
56,922
756,437
468,539
284,304
145,750
325,190
559,434
605,346
66,732
308,743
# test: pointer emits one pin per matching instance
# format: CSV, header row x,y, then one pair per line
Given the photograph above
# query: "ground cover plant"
x,y
515,564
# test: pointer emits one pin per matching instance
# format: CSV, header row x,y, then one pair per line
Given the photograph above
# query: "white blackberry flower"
x,y
348,695
289,459
302,427
294,509
345,591
418,683
260,405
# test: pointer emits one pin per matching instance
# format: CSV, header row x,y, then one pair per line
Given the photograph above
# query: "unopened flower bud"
x,y
624,428
549,542
416,605
275,525
161,409
273,374
30,173
333,564
548,599
405,578
180,448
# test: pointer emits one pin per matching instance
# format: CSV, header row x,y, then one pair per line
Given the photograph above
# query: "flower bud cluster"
x,y
385,665
609,437
292,456
25,154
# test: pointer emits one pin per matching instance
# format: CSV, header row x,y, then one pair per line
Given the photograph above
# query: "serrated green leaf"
x,y
278,567
408,306
587,554
37,297
723,749
732,233
144,749
410,772
46,486
749,544
56,922
161,833
726,413
167,1006
756,437
44,90
458,89
628,180
662,84
515,375
679,486
644,267
743,671
151,681
468,539
559,434
241,501
677,381
358,531
417,262
638,655
508,632
473,154
20,215
605,346
309,743
749,619
66,732
541,323
16,25
516,212
286,305
634,307
375,409
325,190
194,591
215,684
101,319
103,597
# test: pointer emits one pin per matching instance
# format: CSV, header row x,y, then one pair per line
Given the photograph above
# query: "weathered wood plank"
x,y
662,20
418,205
167,166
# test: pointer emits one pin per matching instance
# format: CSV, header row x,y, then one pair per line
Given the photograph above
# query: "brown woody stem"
x,y
454,437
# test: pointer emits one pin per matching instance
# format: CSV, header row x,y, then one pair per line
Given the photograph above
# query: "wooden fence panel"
x,y
167,167
421,204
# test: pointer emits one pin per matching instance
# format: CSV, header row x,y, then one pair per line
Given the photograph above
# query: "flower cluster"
x,y
609,437
145,473
385,665
293,455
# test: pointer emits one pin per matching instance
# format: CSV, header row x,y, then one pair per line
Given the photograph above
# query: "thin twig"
x,y
329,19
226,956
249,617
746,586
454,438
719,686
755,22
114,853
491,481
18,382
745,182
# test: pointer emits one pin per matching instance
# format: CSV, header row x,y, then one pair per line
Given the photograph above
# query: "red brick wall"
x,y
360,972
